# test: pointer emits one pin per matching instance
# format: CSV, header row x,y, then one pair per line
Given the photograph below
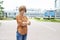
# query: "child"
x,y
22,22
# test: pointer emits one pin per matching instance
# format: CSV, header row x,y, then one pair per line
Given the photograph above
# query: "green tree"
x,y
1,10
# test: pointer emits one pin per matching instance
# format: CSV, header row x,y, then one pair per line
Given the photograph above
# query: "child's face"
x,y
22,12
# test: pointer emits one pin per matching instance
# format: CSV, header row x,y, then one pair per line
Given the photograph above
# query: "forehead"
x,y
22,7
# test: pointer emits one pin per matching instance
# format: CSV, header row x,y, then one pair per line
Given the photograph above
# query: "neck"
x,y
21,14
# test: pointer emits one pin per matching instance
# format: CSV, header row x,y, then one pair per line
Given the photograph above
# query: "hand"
x,y
24,23
28,22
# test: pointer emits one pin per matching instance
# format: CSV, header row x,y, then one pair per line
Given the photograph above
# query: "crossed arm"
x,y
19,21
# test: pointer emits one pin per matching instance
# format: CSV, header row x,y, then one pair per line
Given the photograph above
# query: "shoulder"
x,y
25,16
17,16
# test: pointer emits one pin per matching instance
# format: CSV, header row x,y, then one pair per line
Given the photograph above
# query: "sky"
x,y
36,4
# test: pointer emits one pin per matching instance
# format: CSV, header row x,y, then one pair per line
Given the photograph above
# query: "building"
x,y
10,14
49,14
57,3
57,6
30,13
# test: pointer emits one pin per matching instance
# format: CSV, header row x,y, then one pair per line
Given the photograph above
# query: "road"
x,y
36,31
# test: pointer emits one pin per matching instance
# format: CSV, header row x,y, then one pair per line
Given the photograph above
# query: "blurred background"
x,y
43,14
36,9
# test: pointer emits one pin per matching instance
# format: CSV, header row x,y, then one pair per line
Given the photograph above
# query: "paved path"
x,y
36,31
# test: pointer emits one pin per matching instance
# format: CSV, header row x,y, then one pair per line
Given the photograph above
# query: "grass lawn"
x,y
46,20
7,19
37,19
